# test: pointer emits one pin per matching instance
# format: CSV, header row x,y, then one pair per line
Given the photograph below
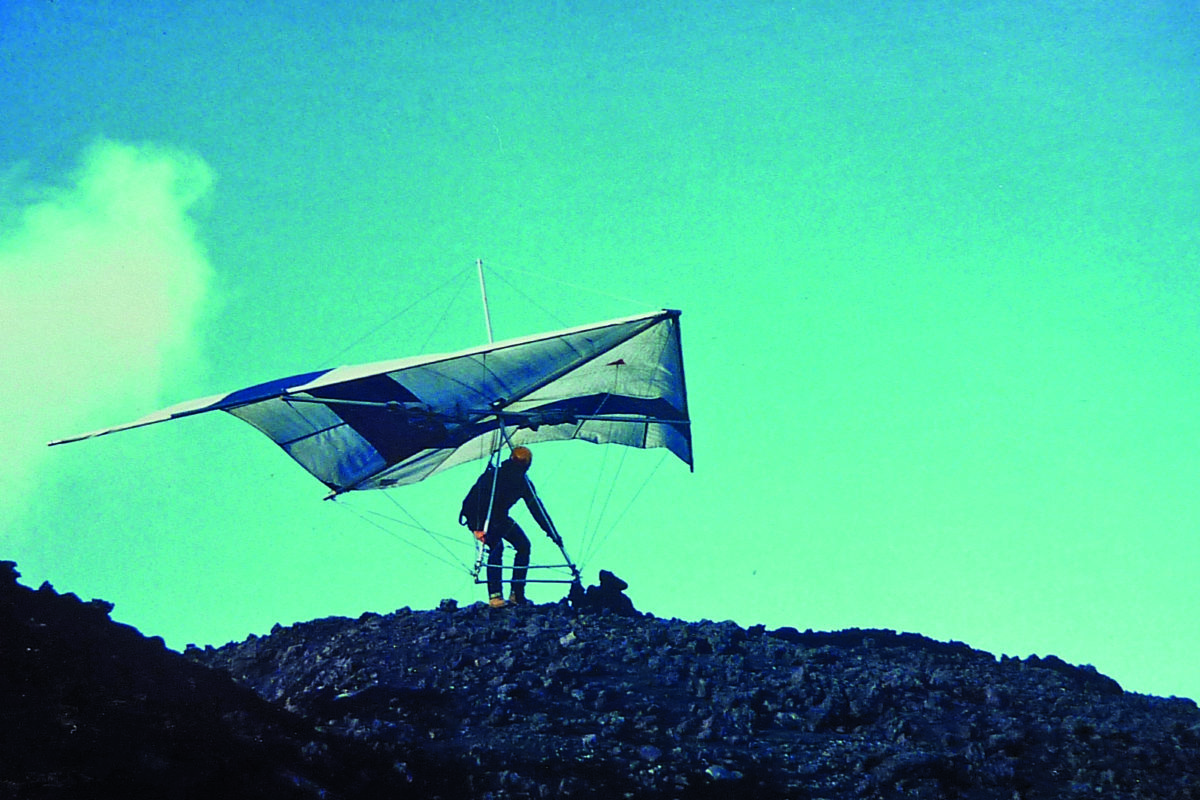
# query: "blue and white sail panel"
x,y
634,394
620,382
397,422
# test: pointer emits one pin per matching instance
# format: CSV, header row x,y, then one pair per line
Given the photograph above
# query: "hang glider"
x,y
398,422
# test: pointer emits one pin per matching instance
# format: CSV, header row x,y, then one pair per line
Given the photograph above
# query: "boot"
x,y
517,599
497,601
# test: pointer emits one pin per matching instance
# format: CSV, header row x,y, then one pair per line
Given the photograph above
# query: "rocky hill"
x,y
576,699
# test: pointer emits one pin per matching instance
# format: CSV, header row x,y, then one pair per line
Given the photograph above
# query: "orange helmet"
x,y
523,455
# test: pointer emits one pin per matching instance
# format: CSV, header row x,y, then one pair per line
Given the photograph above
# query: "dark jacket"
x,y
511,486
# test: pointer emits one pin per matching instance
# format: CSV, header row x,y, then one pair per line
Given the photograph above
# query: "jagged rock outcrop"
x,y
557,701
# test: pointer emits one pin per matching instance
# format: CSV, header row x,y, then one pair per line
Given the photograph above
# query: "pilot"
x,y
511,485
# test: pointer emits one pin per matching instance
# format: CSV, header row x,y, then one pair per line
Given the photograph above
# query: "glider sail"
x,y
397,422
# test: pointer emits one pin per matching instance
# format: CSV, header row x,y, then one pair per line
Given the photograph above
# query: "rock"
x,y
649,752
719,773
608,596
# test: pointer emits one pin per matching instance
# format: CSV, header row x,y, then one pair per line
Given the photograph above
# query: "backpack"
x,y
475,504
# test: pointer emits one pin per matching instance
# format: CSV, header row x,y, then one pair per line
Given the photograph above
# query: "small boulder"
x,y
609,595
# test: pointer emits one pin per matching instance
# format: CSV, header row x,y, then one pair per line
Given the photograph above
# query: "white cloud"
x,y
102,283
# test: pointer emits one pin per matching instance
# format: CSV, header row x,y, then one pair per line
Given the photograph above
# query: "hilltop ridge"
x,y
556,701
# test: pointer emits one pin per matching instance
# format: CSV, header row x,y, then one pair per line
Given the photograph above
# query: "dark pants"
x,y
506,530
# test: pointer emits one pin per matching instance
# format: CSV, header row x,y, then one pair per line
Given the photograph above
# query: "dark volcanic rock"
x,y
545,701
608,596
554,701
93,709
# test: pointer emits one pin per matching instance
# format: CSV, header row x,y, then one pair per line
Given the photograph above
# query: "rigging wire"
x,y
585,538
602,540
532,302
636,303
612,485
411,523
437,326
441,538
589,533
593,528
367,517
374,330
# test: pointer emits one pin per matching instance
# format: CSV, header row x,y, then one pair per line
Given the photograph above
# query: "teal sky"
x,y
938,264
